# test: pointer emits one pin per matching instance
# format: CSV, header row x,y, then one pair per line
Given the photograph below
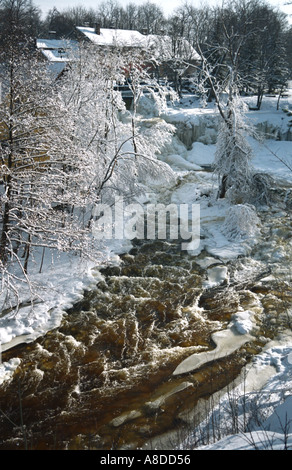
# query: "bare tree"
x,y
150,18
20,22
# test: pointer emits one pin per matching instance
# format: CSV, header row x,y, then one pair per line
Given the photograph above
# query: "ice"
x,y
227,341
239,331
179,163
216,275
207,261
186,194
201,154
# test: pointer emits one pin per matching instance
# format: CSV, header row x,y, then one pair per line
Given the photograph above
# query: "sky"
x,y
168,6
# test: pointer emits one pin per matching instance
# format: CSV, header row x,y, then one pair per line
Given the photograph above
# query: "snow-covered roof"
x,y
58,53
113,37
160,46
52,43
56,50
55,55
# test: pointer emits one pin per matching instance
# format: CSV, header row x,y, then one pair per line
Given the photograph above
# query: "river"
x,y
105,379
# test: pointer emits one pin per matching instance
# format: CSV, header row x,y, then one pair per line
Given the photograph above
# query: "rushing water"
x,y
104,379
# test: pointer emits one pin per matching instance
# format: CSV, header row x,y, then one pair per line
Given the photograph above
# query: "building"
x,y
168,59
57,53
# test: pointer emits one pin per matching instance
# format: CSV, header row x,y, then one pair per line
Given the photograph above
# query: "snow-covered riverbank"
x,y
262,406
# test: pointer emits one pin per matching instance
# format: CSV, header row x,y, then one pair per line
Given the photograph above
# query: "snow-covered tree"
x,y
174,59
44,177
123,151
237,180
65,147
233,154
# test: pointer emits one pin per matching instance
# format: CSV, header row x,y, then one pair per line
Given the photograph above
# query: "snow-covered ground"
x,y
63,280
262,403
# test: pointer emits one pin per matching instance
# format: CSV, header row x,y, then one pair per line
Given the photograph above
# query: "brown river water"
x,y
104,379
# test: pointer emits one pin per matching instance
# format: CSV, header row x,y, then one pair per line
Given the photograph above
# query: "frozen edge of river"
x,y
227,341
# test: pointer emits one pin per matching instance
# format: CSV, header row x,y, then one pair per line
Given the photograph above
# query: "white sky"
x,y
167,5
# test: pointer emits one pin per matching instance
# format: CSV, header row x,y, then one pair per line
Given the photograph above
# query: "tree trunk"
x,y
223,187
5,224
260,97
279,97
4,238
27,253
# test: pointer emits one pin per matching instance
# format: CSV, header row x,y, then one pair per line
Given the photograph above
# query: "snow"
x,y
7,369
56,50
265,159
110,37
256,440
55,44
216,275
243,322
268,383
201,154
277,420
